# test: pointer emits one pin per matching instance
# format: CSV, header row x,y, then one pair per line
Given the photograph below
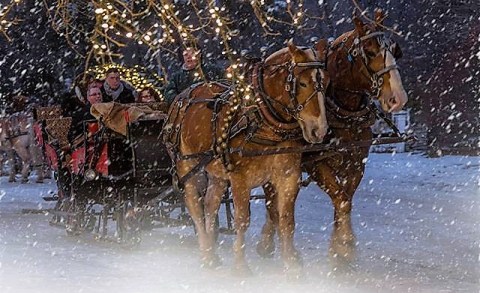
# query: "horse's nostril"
x,y
317,134
393,100
313,133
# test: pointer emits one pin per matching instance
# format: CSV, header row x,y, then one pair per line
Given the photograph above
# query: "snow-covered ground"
x,y
416,221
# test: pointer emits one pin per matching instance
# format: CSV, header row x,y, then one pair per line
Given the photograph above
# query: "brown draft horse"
x,y
361,64
288,98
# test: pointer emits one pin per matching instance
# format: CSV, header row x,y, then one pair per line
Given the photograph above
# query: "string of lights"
x,y
158,25
6,20
138,76
117,23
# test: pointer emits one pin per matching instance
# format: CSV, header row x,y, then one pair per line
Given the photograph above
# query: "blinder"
x,y
294,108
386,45
291,85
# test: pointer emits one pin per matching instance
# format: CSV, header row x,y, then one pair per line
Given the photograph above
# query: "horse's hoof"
x,y
38,181
24,181
295,274
342,265
265,250
11,180
242,271
211,262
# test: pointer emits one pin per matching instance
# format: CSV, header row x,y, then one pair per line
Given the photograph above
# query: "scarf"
x,y
111,92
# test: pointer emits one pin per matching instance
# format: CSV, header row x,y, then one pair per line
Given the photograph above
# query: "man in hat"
x,y
192,71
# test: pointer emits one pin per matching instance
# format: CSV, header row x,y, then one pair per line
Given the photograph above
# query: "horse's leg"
x,y
2,163
194,203
26,158
342,242
37,162
266,245
286,186
13,169
26,167
241,201
47,170
213,198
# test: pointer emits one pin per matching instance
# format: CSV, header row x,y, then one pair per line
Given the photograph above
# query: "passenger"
x,y
83,83
82,114
95,82
190,73
116,90
148,95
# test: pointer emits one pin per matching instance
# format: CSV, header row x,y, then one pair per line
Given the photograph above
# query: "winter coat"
x,y
182,79
78,116
126,96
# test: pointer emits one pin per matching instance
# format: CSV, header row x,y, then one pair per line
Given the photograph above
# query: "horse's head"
x,y
371,58
295,79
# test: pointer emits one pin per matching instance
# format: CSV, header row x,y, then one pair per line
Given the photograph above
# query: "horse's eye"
x,y
302,84
370,54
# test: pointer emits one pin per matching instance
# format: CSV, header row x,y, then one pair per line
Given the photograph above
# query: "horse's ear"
x,y
358,25
380,15
396,51
321,47
291,46
294,51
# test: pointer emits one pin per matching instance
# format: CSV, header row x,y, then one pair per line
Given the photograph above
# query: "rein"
x,y
313,148
16,135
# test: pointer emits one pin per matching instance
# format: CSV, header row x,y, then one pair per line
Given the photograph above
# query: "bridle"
x,y
294,108
356,49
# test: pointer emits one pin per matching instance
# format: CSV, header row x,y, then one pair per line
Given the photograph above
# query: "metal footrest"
x,y
50,198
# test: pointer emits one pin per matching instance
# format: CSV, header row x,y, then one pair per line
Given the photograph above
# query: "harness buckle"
x,y
380,81
319,87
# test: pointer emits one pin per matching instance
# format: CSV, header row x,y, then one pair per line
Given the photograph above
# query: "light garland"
x,y
5,19
156,24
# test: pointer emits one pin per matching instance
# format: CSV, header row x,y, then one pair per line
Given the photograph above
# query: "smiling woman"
x,y
94,95
148,95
